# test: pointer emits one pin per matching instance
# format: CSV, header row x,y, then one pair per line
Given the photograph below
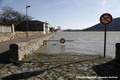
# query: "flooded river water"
x,y
83,43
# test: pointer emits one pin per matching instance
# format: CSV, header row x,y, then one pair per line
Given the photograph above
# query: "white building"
x,y
6,27
46,28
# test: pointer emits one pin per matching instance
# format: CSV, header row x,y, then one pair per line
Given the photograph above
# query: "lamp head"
x,y
28,6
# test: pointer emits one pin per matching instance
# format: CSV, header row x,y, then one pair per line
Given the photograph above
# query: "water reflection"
x,y
54,48
62,49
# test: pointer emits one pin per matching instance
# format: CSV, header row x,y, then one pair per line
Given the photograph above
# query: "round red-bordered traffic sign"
x,y
106,19
62,40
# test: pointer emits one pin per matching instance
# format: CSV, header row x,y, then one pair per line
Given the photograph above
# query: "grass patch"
x,y
45,77
8,68
54,78
19,63
66,76
60,74
49,71
40,64
93,74
29,61
2,66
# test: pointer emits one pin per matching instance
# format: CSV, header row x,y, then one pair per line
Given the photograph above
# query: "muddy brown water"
x,y
91,43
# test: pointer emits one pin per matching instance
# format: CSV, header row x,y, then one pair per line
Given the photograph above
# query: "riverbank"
x,y
53,67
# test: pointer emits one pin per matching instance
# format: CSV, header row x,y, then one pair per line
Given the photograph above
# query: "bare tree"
x,y
59,28
52,29
9,15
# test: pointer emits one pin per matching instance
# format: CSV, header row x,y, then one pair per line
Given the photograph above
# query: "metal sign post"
x,y
105,41
105,19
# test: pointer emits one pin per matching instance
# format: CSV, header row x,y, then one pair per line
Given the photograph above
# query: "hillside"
x,y
114,26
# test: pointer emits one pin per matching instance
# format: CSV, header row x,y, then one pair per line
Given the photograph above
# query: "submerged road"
x,y
91,43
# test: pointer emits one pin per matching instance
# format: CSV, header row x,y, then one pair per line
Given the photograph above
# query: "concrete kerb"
x,y
21,49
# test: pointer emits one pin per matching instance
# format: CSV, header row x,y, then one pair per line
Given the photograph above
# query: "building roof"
x,y
33,25
5,24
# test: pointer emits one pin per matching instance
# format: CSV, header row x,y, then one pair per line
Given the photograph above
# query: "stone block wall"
x,y
4,36
27,48
20,34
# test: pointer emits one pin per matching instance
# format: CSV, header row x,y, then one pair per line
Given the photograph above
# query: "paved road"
x,y
4,46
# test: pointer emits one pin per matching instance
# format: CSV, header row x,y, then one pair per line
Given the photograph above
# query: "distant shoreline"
x,y
86,31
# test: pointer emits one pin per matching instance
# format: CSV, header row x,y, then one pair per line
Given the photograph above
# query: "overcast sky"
x,y
72,14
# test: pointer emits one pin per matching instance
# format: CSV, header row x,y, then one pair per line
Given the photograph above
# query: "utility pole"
x,y
27,17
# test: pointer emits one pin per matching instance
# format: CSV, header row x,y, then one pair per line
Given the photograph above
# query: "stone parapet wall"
x,y
20,34
4,36
20,50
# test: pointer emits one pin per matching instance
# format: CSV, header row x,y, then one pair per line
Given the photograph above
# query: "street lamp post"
x,y
27,17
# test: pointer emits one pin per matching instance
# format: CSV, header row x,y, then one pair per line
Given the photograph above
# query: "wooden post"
x,y
13,28
13,31
117,56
